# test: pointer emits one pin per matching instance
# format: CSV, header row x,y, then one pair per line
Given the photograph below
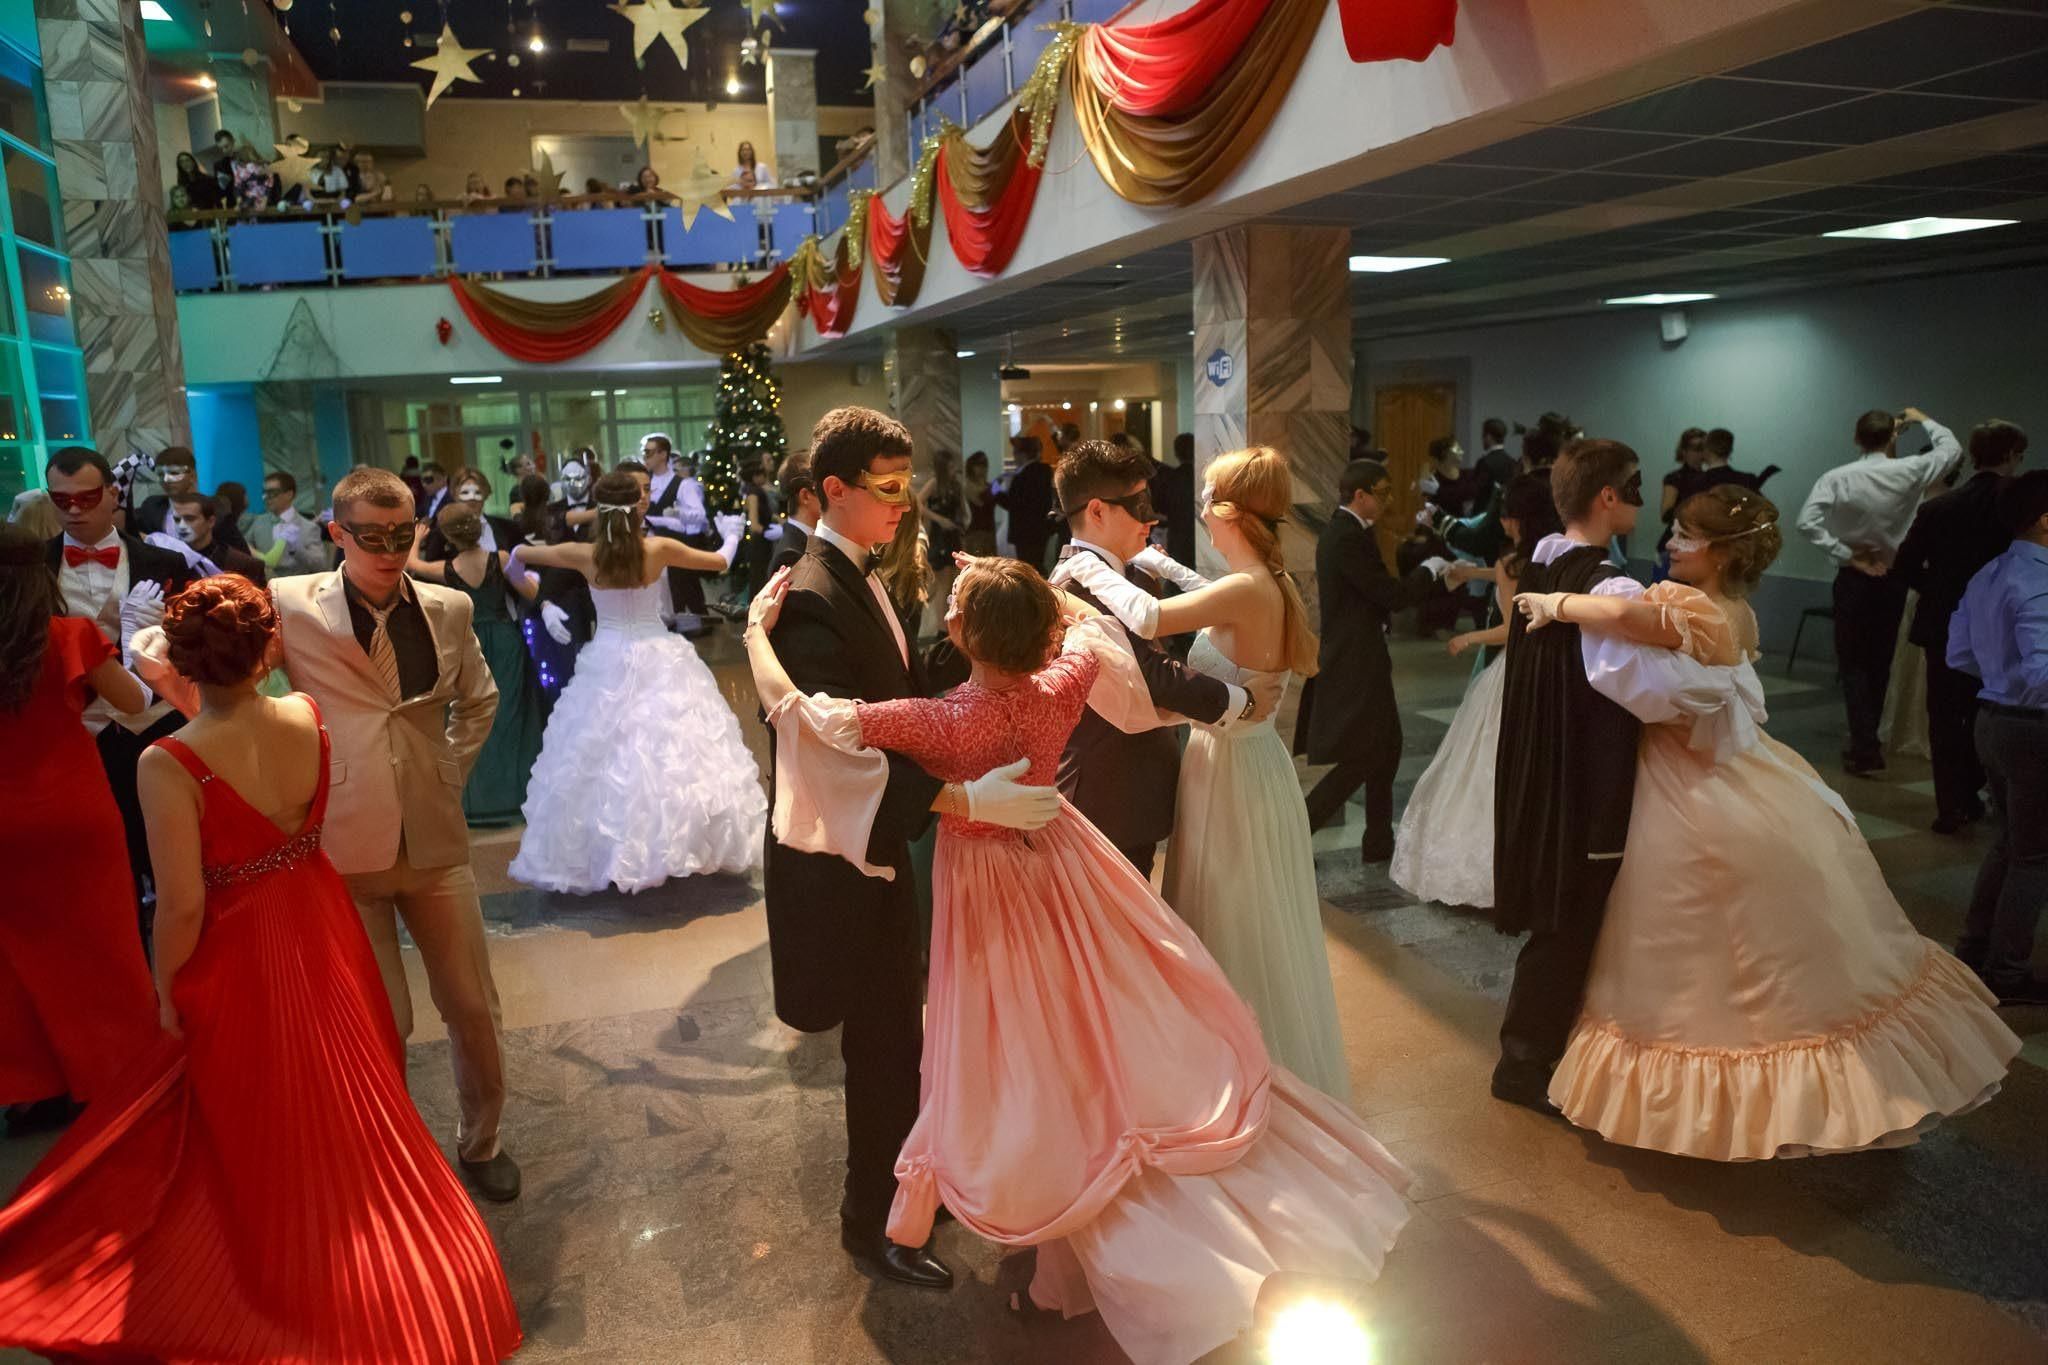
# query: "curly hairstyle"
x,y
618,552
1252,489
220,630
29,597
460,524
1740,526
1009,616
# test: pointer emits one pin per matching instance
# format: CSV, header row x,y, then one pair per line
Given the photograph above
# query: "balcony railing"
x,y
583,235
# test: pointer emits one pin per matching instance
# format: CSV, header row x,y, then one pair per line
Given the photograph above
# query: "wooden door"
x,y
1406,418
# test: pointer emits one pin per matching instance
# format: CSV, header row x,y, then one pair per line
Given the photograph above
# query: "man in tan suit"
x,y
408,700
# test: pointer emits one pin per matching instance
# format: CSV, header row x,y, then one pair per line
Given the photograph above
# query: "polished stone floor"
x,y
682,1149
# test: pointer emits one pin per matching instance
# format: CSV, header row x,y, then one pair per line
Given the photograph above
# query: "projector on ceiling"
x,y
1013,372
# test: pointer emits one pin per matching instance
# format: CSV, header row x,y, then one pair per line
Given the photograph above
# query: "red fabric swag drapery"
x,y
986,195
899,249
1381,30
1168,67
724,320
831,290
545,333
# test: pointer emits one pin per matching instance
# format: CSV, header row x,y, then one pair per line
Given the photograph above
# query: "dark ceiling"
x,y
1721,184
372,47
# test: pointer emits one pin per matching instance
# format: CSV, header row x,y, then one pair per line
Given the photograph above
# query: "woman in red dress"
x,y
262,1188
75,1003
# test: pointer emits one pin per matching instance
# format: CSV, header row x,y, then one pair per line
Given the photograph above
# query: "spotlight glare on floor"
x,y
1317,1332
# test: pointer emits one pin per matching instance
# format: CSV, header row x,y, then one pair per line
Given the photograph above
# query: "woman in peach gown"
x,y
1756,992
1092,1085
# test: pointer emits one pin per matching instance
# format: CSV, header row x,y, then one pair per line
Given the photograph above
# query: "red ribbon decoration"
x,y
984,239
724,320
1167,68
831,309
1382,30
547,333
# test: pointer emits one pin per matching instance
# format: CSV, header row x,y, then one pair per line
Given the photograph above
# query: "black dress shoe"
x,y
495,1179
875,1253
1526,1084
1529,1098
1954,824
1376,848
1862,765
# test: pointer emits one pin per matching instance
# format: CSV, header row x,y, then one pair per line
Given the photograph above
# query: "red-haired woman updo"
x,y
219,631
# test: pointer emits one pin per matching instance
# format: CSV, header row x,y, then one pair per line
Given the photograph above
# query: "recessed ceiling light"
x,y
1093,405
618,393
732,85
962,355
1118,405
597,393
476,379
534,44
1388,265
151,10
1654,299
1907,229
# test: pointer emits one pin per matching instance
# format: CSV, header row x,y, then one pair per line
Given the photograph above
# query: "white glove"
x,y
1425,518
773,533
731,526
1541,607
997,798
555,621
1160,564
142,608
1123,599
289,533
1438,566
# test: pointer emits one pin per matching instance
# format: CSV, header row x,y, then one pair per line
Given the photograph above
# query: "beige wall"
x,y
495,137
809,391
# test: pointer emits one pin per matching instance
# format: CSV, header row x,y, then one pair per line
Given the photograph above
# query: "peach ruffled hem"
x,y
1935,1050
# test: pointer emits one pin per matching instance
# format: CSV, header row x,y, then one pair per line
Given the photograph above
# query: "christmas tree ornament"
x,y
657,320
450,63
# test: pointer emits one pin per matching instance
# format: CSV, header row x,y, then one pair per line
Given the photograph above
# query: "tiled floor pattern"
x,y
682,1147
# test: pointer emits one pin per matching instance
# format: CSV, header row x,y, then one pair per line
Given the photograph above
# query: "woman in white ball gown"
x,y
642,774
1443,850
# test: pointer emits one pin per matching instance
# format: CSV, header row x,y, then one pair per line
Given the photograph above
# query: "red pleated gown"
x,y
263,1190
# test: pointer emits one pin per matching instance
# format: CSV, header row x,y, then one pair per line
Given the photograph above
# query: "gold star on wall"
x,y
646,120
661,19
450,63
703,188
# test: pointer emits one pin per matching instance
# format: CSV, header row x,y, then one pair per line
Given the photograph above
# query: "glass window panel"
x,y
656,406
32,191
574,419
21,92
10,418
63,420
13,473
46,288
484,410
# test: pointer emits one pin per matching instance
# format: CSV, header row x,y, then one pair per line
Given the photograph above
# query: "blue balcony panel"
x,y
1027,41
712,240
986,84
1096,11
488,243
600,239
832,209
277,253
193,265
387,248
862,176
788,228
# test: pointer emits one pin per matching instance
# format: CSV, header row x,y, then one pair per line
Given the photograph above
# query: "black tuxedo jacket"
x,y
1125,784
825,918
165,568
1953,536
790,548
1354,685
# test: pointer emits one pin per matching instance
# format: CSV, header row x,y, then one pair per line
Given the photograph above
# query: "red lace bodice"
x,y
973,729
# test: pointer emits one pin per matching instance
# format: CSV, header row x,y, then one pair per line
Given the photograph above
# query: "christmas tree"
x,y
748,426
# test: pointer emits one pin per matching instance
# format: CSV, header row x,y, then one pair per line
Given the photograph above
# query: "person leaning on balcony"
x,y
202,191
750,174
375,184
329,178
476,189
516,199
647,185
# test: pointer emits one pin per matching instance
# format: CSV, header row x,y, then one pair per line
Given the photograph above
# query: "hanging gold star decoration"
x,y
550,178
703,188
875,75
294,161
450,63
646,120
757,10
661,19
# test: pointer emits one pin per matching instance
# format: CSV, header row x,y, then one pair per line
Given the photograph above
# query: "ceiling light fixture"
x,y
1912,229
476,378
207,82
962,355
732,85
1388,265
1118,405
152,12
618,393
1655,300
534,44
597,393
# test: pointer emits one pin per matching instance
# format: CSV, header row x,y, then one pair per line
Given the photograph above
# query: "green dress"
x,y
497,784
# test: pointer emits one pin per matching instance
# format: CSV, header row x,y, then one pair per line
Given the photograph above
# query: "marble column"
x,y
894,25
924,389
103,130
792,113
1273,363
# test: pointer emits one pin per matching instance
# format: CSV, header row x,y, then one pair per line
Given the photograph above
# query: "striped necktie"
x,y
383,657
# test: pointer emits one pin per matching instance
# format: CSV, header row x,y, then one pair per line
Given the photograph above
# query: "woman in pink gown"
x,y
1092,1085
258,1187
1756,992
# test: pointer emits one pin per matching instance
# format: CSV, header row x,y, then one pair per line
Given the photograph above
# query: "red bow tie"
x,y
75,555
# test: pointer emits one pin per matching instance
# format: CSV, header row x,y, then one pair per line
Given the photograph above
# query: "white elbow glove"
x,y
556,622
998,798
731,527
1123,599
1160,564
142,608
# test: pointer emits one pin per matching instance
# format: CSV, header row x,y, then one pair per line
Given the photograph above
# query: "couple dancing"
x,y
1092,1084
1715,966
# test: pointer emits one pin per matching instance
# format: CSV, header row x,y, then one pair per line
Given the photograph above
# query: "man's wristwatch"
x,y
1251,704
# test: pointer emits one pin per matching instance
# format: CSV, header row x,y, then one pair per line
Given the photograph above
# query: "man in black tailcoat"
x,y
1354,721
844,947
1565,775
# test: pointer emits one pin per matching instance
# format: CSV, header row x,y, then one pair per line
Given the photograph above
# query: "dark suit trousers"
x,y
686,590
120,752
1374,771
1952,738
882,1043
1550,985
1140,856
1867,613
2012,883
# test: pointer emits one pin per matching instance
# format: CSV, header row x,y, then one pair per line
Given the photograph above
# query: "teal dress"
x,y
497,784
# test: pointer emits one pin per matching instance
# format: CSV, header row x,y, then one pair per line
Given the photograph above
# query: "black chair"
x,y
1825,613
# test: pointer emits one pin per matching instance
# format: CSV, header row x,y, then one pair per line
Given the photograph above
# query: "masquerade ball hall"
x,y
1260,682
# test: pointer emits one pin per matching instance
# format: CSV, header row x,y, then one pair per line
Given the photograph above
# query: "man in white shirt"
x,y
119,583
675,511
1859,513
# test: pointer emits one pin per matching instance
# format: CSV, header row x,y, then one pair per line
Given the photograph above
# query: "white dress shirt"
x,y
1868,504
93,592
859,555
1233,711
